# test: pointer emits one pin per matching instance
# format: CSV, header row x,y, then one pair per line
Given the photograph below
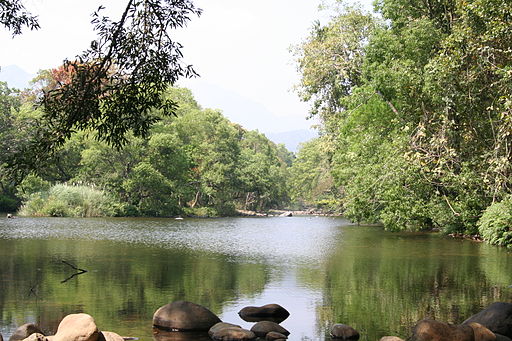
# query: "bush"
x,y
70,201
495,225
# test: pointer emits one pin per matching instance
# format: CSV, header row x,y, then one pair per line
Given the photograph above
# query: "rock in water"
x,y
268,310
110,336
77,327
390,338
24,331
184,316
262,328
233,334
497,318
221,325
344,332
274,336
36,337
431,330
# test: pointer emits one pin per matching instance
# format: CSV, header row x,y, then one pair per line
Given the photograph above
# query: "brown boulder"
x,y
344,332
497,318
431,330
77,327
262,328
274,336
482,333
274,311
233,334
184,316
24,331
221,325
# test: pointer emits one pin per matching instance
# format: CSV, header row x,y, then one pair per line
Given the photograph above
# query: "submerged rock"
x,y
24,331
344,332
497,318
109,336
391,338
262,328
233,334
77,327
184,316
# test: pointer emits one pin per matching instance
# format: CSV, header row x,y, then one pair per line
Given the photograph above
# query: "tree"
x,y
114,86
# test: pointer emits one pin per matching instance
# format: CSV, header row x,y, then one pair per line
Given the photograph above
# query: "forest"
x,y
415,104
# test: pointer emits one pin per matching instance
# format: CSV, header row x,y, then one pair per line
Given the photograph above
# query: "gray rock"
x,y
344,332
262,328
497,317
24,331
184,316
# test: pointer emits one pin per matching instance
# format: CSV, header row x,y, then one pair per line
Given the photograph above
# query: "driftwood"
x,y
79,271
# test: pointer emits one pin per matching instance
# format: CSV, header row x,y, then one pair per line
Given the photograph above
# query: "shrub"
x,y
70,201
495,225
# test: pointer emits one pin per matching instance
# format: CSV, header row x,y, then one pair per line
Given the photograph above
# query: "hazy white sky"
x,y
240,48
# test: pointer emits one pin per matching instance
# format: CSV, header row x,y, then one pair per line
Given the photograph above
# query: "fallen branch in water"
x,y
80,271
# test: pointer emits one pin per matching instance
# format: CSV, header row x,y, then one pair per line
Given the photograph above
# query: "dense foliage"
x,y
195,163
418,102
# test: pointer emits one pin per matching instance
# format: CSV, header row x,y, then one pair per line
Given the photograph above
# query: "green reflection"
x,y
124,285
382,283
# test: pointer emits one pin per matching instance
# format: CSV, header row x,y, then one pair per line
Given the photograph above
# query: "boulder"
x,y
221,325
24,331
497,317
110,336
233,334
36,337
262,328
391,338
344,332
274,336
266,311
77,327
184,316
481,333
286,214
431,330
162,335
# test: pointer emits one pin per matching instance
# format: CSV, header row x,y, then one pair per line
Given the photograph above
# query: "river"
x,y
323,270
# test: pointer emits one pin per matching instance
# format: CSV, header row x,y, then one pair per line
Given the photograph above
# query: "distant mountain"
x,y
293,139
15,76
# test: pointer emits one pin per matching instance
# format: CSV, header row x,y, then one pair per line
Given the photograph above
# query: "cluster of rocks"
x,y
494,323
183,316
178,320
73,327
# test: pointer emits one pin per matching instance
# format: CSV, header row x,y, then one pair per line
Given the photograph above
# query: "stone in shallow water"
x,y
273,311
24,331
184,316
344,332
36,337
77,327
497,318
274,336
233,334
109,336
221,325
431,330
391,338
262,328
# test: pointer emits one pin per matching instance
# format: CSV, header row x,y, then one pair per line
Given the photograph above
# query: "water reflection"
x,y
320,269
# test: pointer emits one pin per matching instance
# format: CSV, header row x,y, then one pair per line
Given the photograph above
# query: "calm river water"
x,y
323,270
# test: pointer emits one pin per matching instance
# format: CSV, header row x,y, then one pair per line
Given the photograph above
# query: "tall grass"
x,y
64,200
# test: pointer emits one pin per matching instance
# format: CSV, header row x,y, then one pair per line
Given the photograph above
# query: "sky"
x,y
240,48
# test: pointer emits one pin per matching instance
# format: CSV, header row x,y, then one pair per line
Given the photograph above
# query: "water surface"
x,y
323,270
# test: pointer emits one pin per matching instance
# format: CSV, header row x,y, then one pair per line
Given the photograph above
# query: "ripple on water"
x,y
295,239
